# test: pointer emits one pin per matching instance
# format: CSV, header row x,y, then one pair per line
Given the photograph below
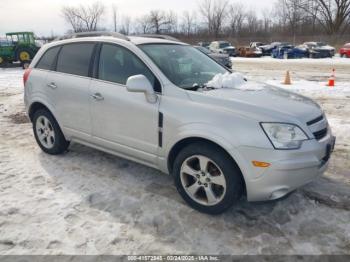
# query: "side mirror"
x,y
140,84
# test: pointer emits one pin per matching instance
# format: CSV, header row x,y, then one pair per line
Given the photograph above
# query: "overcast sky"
x,y
44,16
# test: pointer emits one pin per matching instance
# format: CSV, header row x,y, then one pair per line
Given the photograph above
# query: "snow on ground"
x,y
336,60
89,202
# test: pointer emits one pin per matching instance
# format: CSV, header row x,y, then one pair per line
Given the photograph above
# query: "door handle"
x,y
97,96
52,85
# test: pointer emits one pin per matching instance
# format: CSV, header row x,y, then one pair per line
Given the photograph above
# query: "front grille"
x,y
320,134
314,121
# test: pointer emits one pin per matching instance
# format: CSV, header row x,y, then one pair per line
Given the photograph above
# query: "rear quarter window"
x,y
47,60
75,58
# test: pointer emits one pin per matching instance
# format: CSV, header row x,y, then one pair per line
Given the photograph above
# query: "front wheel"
x,y
48,134
207,178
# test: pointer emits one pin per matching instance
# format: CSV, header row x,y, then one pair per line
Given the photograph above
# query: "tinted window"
x,y
117,64
75,59
47,60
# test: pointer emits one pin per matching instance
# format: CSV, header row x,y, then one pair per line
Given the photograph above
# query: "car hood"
x,y
261,101
229,48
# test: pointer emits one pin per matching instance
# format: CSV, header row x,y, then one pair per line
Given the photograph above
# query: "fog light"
x,y
260,164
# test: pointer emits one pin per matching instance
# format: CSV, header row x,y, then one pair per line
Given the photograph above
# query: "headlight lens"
x,y
284,136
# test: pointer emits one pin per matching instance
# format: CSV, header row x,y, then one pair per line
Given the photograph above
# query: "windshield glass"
x,y
183,65
223,45
320,44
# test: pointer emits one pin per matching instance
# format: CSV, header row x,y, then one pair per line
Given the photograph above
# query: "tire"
x,y
3,62
25,64
48,135
24,55
223,179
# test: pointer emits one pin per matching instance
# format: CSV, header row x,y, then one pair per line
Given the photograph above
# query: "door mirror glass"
x,y
140,84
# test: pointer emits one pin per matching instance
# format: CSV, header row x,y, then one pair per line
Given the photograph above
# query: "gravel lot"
x,y
88,202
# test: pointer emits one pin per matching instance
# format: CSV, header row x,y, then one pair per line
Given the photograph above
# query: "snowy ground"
x,y
88,202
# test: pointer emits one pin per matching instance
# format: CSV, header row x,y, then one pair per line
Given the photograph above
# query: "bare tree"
x,y
214,14
252,22
143,24
158,21
267,20
171,18
114,16
84,18
291,12
332,15
125,25
236,16
188,23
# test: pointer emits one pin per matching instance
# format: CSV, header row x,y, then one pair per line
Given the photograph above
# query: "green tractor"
x,y
18,46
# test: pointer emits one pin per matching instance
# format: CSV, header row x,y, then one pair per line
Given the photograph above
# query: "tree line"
x,y
219,19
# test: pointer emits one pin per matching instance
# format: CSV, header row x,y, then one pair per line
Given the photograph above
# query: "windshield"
x,y
183,65
225,44
320,44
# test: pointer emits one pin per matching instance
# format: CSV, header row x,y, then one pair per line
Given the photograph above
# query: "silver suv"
x,y
147,100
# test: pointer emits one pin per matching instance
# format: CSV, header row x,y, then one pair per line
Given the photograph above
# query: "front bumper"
x,y
289,169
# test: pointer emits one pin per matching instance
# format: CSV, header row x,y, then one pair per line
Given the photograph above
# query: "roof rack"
x,y
166,37
92,34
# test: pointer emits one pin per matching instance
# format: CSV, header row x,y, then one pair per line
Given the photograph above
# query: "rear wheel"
x,y
207,178
2,61
48,134
24,55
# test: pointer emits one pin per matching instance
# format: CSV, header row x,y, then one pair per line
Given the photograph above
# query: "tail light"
x,y
26,75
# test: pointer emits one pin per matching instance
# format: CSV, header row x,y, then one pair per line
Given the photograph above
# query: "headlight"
x,y
284,136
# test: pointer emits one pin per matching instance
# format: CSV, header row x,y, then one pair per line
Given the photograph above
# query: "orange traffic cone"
x,y
331,80
287,80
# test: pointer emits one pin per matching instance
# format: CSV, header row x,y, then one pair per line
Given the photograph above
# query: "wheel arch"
x,y
179,145
35,107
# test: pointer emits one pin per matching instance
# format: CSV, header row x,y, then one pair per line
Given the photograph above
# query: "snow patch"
x,y
231,80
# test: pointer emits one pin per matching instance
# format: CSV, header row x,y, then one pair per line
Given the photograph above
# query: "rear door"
x,y
69,86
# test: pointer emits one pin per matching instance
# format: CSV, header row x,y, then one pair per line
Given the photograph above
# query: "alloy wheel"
x,y
203,180
45,132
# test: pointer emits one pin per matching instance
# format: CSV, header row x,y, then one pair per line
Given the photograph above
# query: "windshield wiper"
x,y
196,86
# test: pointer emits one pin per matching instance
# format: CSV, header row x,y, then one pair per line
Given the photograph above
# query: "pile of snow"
x,y
234,81
227,80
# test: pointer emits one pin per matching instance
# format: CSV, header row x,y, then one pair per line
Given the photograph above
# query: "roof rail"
x,y
92,34
166,37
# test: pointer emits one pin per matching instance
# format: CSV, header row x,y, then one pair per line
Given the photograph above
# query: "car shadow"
x,y
147,201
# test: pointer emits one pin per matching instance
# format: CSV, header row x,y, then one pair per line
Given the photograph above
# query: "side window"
x,y
117,64
75,58
48,58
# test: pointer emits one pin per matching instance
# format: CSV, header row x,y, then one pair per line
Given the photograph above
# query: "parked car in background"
x,y
288,51
222,47
204,44
319,49
223,59
256,44
345,51
267,49
246,51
